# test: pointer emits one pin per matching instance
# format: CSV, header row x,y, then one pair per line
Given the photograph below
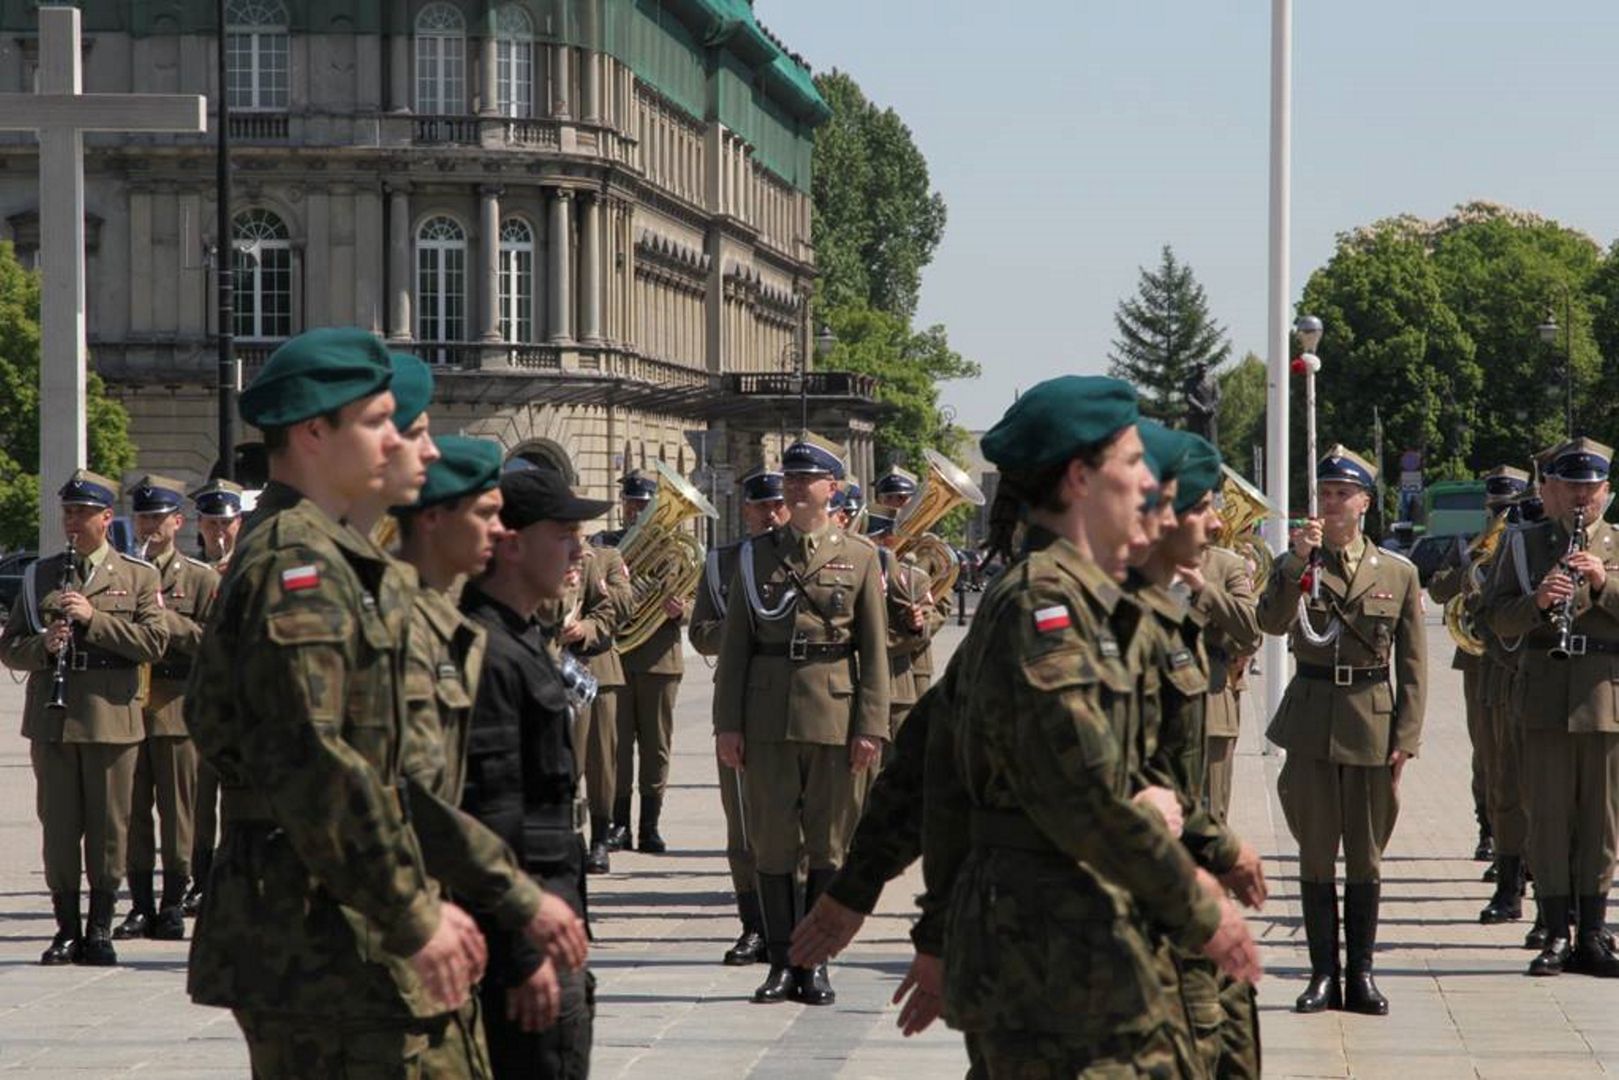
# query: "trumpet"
x,y
1563,617
58,698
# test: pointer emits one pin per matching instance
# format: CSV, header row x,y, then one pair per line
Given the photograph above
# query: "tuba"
x,y
1243,506
664,560
1460,619
946,487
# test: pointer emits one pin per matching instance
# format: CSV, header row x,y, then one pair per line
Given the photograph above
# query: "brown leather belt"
x,y
1343,674
805,651
84,659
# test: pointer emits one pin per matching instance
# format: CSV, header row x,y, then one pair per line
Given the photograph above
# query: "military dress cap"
x,y
466,466
1199,472
1055,419
1582,461
1502,484
637,486
218,499
86,488
153,494
879,524
1166,449
813,455
412,387
1346,466
762,485
531,495
854,500
896,481
315,373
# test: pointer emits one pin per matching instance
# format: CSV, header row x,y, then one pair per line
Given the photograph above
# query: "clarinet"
x,y
1563,617
59,679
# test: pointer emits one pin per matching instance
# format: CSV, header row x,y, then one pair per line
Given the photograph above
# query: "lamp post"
x,y
1548,335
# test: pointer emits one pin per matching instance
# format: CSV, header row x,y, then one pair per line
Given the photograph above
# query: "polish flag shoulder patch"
x,y
1050,619
299,578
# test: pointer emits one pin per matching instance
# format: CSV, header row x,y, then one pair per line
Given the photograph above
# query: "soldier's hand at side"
x,y
533,1004
1306,538
1397,761
730,748
77,606
57,636
674,607
561,933
1247,878
473,947
920,995
442,964
1232,948
917,619
824,932
1192,576
572,633
863,752
1554,588
1166,803
1590,565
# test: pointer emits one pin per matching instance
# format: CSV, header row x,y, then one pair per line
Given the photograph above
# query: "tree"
x,y
1243,390
110,451
1166,338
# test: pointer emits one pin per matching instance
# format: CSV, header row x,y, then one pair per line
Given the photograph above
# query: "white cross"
x,y
60,113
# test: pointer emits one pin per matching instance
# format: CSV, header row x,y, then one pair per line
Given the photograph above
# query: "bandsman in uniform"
x,y
912,620
1550,593
893,490
801,702
166,767
219,519
1222,591
763,509
104,610
1350,720
646,709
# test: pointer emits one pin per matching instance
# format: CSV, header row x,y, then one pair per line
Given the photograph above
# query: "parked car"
x,y
11,568
1430,551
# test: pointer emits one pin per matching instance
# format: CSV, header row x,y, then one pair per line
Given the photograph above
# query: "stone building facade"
x,y
592,216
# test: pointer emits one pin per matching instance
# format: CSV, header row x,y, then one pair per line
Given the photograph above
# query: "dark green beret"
x,y
315,373
466,466
1166,449
1199,473
1056,419
412,387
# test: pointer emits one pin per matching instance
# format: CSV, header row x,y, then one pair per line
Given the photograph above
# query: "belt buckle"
x,y
1576,645
1343,675
798,648
78,661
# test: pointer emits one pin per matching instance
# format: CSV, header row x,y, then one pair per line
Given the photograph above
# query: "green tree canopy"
x,y
1243,390
1165,336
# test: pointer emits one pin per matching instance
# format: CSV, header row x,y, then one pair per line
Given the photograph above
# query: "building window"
x,y
257,71
441,282
516,281
514,62
263,267
441,60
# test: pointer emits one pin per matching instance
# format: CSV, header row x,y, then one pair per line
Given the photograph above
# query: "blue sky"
x,y
1071,140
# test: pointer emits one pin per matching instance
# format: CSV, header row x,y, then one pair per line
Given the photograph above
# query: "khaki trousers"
x,y
646,715
82,797
1219,757
737,852
1571,784
1481,734
1508,816
1327,805
165,778
795,790
598,749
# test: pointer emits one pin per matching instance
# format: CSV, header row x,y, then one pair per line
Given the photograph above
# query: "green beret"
x,y
1166,449
1056,419
315,373
412,387
466,466
1199,472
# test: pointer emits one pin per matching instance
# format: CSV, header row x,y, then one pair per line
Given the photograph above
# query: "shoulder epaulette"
x,y
1398,556
136,559
196,562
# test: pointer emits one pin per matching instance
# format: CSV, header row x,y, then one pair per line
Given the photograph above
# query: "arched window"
x,y
514,62
441,60
263,267
516,281
257,71
441,281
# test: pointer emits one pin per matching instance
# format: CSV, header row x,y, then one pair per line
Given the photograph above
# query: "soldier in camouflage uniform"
x,y
1028,846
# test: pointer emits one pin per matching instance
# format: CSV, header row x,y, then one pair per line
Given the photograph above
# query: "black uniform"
x,y
520,782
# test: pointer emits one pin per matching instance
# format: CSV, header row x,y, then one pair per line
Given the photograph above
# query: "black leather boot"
x,y
1361,995
1507,903
812,986
1320,903
142,910
97,950
1592,954
1554,954
650,842
170,924
618,834
597,861
776,905
1485,851
750,947
65,945
202,862
1536,938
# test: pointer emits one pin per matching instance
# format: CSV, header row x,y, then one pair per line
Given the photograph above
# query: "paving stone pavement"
x,y
1461,1005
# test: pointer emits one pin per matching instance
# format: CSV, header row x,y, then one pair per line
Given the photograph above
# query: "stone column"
x,y
590,275
590,88
489,295
561,239
399,264
490,105
559,107
399,57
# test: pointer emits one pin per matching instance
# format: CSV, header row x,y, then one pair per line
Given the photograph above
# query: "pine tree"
x,y
1166,337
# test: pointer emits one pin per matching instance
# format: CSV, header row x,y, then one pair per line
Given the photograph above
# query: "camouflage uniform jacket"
x,y
1048,871
320,890
442,664
189,589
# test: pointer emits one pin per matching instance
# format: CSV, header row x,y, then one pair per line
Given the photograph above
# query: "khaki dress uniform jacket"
x,y
907,585
1231,634
1349,705
705,631
1447,582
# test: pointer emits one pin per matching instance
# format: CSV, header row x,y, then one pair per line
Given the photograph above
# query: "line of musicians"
x,y
1538,641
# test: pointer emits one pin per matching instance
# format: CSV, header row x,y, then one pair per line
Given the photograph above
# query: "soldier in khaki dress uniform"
x,y
166,768
763,509
1351,718
890,493
912,620
104,609
1551,592
801,700
1223,593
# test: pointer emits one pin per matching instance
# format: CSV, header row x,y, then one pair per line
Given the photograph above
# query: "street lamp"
x,y
1548,336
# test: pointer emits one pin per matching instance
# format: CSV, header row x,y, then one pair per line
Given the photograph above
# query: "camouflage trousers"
x,y
1160,1054
284,1046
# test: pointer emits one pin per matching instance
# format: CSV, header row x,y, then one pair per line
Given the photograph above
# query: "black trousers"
x,y
561,1052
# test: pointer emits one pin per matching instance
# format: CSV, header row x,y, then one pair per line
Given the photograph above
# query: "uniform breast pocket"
x,y
1188,680
495,759
116,602
452,695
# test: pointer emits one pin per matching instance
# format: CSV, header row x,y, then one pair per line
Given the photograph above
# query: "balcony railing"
x,y
492,132
844,384
446,130
259,127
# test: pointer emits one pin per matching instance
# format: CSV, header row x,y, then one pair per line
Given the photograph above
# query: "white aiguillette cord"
x,y
755,604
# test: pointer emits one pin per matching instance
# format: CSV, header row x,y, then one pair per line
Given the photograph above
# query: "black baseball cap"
x,y
530,495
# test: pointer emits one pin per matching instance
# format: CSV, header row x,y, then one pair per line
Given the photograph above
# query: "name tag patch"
x,y
1180,658
1051,619
1110,648
300,578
